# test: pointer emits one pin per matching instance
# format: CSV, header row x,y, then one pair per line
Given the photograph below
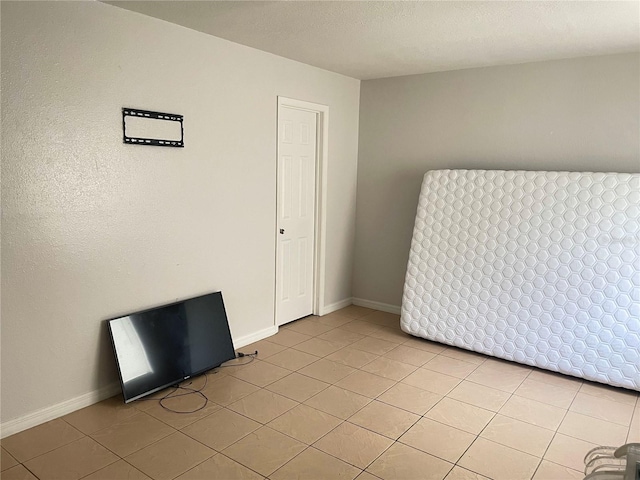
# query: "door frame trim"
x,y
320,221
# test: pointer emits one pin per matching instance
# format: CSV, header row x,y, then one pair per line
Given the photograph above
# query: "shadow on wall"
x,y
106,374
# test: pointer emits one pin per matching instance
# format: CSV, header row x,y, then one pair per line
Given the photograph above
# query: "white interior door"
x,y
296,213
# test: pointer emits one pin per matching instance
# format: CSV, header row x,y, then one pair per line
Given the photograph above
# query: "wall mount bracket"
x,y
147,114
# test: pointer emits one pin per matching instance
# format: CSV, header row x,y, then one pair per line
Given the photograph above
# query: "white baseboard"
x,y
63,408
327,309
383,307
55,411
254,337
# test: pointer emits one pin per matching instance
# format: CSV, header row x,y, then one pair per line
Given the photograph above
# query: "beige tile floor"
x,y
342,396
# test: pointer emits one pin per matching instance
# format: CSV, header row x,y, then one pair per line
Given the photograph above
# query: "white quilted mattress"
x,y
542,268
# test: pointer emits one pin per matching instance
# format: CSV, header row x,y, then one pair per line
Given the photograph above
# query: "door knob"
x,y
282,231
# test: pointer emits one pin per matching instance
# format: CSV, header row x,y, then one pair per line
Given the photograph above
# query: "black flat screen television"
x,y
162,346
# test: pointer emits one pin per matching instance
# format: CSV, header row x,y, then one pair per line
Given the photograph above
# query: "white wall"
x,y
581,115
92,228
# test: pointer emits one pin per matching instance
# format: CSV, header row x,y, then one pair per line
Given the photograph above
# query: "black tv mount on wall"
x,y
146,127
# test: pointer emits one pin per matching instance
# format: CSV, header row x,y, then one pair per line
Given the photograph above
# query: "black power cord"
x,y
189,391
192,391
241,355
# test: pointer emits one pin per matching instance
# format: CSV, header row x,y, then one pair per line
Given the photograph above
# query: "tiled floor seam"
x,y
482,385
221,452
88,474
266,385
342,460
374,398
453,465
510,446
474,441
580,439
429,453
466,379
468,468
556,433
288,461
207,459
400,408
175,430
319,392
610,399
603,419
53,449
480,433
560,465
574,411
433,454
442,354
141,448
313,378
382,434
447,396
636,410
463,401
382,453
299,403
34,473
287,435
311,446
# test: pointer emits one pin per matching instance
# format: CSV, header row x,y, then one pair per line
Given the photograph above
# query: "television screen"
x,y
165,345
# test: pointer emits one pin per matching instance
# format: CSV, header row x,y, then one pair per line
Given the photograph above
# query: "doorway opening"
x,y
301,167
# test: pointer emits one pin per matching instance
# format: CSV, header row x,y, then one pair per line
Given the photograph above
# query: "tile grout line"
x,y
34,473
53,449
483,429
106,466
559,465
327,453
423,416
142,448
307,447
555,406
219,452
556,431
636,411
295,400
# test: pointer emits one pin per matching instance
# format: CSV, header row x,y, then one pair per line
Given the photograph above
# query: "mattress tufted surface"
x,y
542,268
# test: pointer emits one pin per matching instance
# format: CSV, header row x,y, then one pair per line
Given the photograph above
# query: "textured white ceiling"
x,y
375,39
